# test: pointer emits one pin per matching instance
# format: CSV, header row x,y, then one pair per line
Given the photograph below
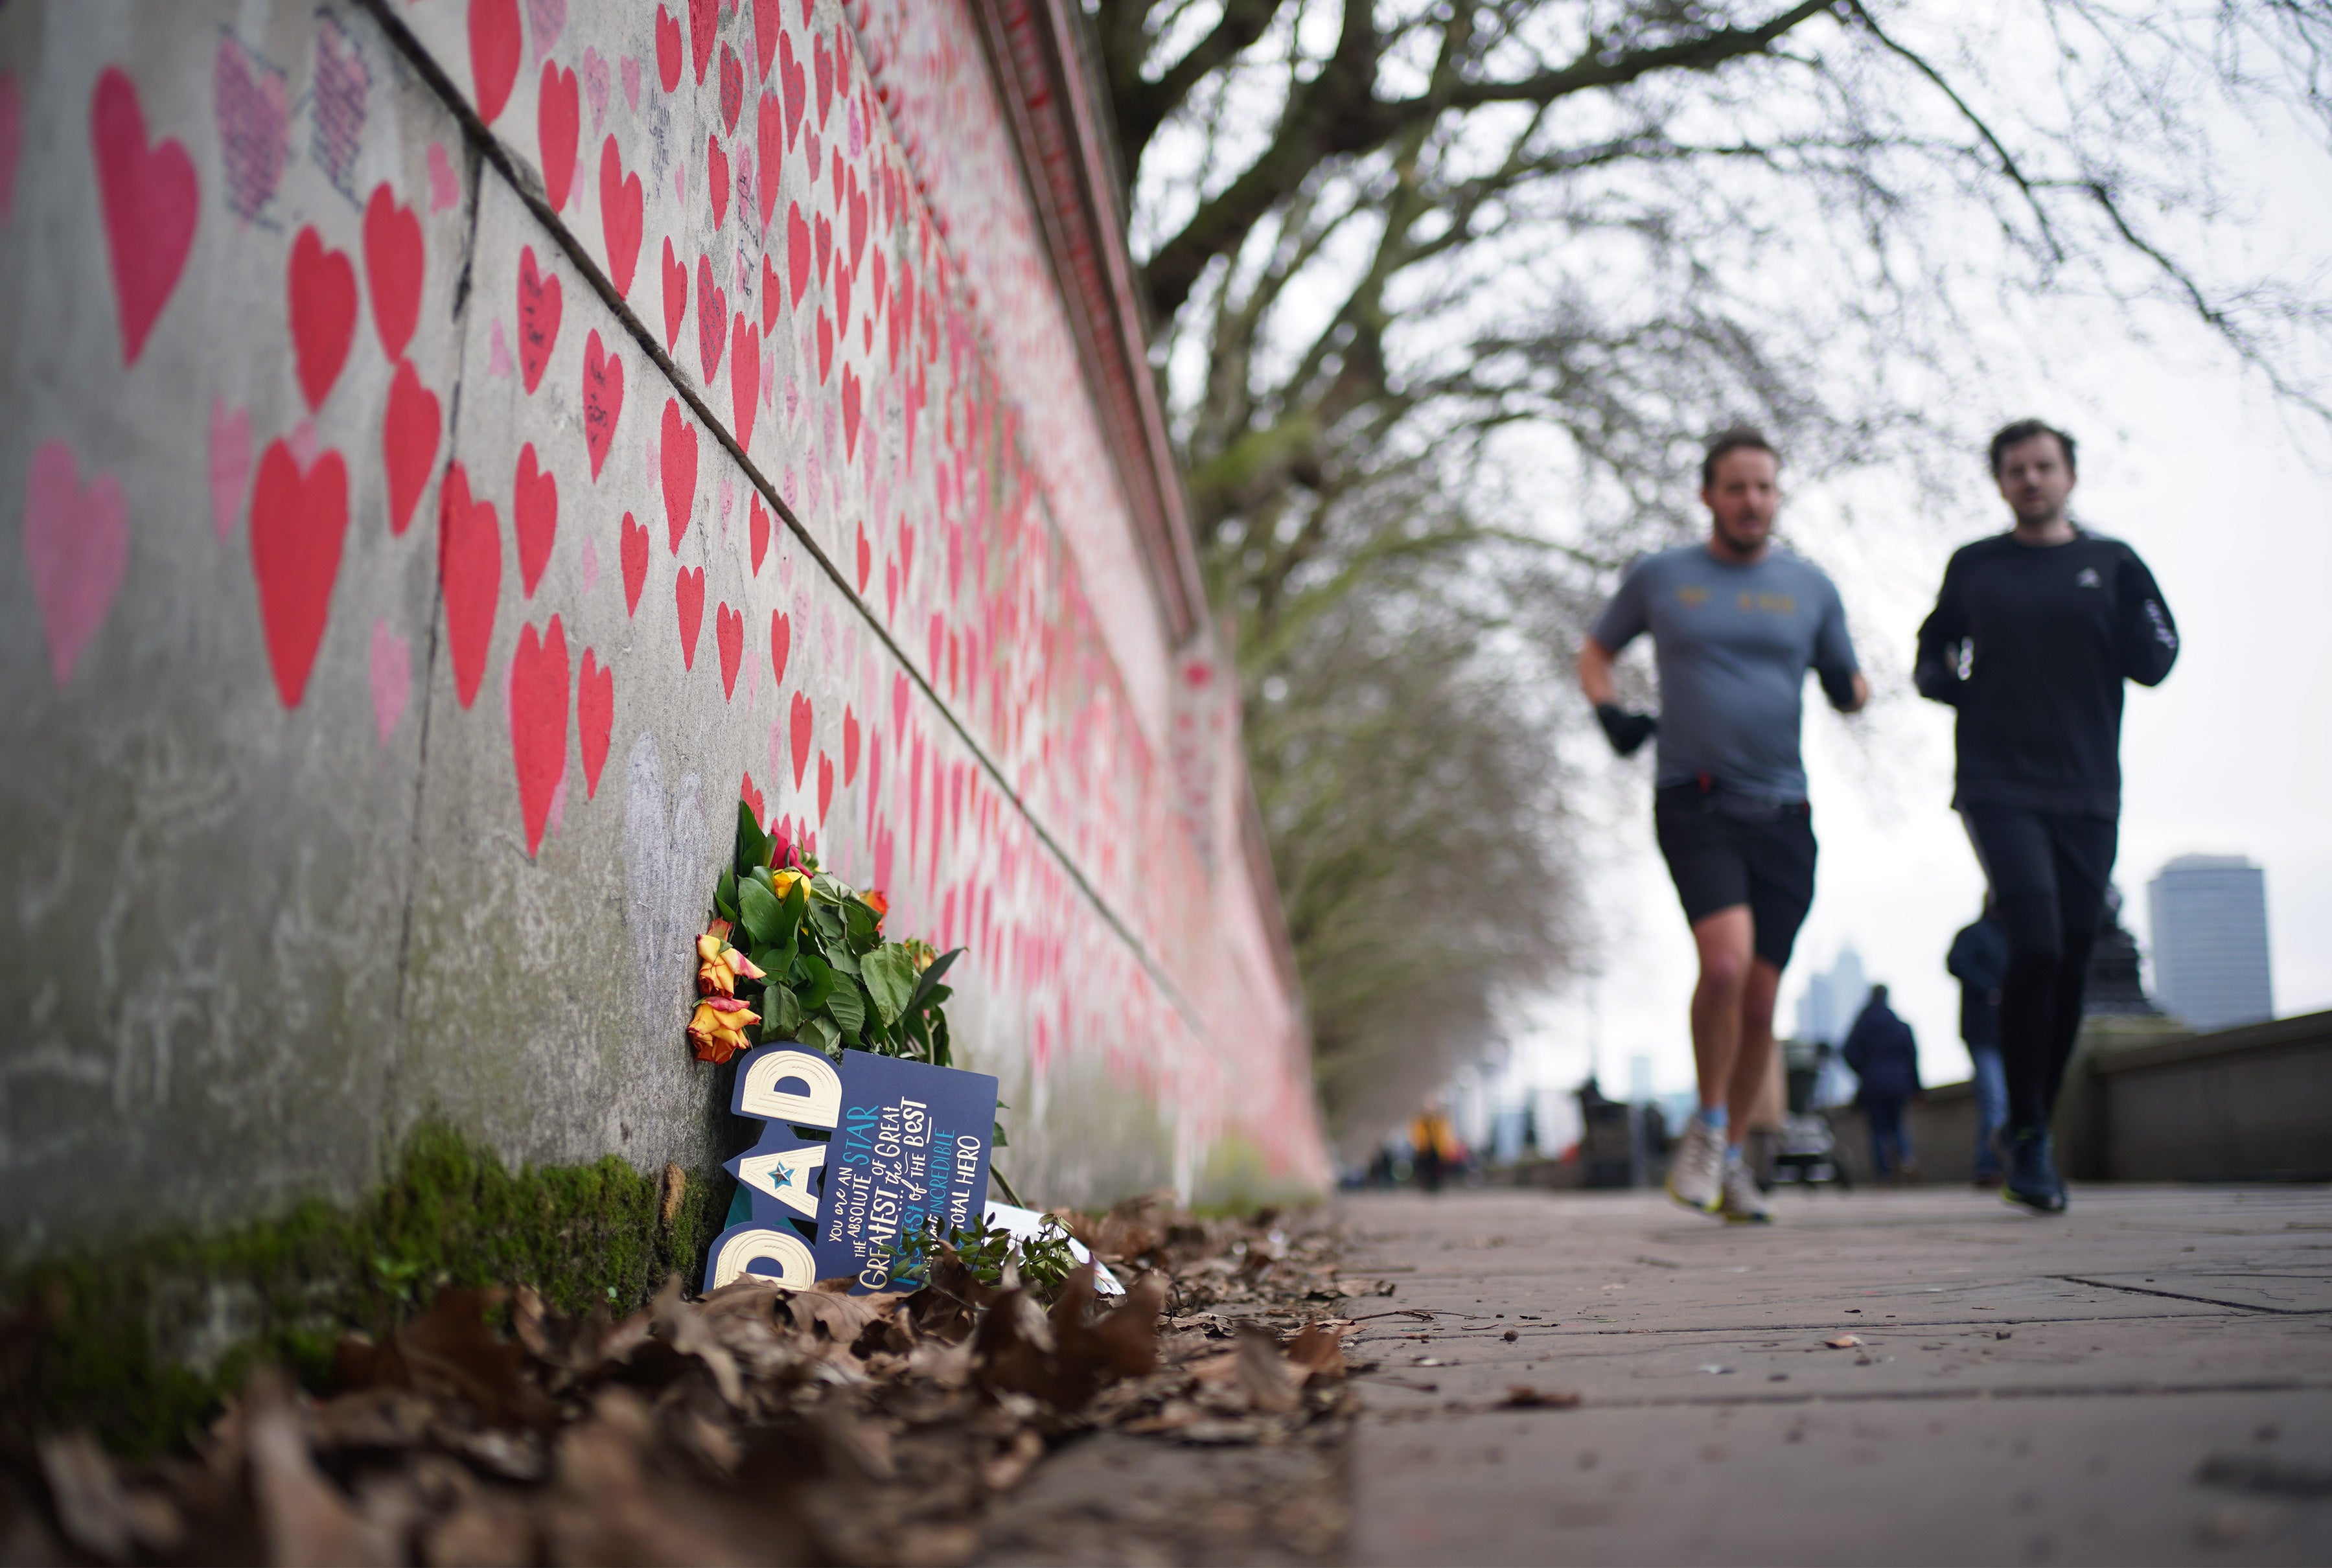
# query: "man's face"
x,y
1742,497
2035,479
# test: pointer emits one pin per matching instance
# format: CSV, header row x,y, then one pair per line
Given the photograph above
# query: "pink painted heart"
x,y
632,548
850,746
547,19
603,400
76,549
688,599
445,185
898,709
712,318
537,719
299,522
408,442
321,288
797,251
251,104
595,716
728,636
150,200
495,50
781,642
470,575
391,666
799,724
534,518
540,304
590,566
628,68
599,87
679,465
230,464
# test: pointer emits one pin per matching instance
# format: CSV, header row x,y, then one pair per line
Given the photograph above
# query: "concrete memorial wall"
x,y
454,448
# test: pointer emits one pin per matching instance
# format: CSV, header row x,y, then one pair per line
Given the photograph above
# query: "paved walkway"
x,y
2146,1379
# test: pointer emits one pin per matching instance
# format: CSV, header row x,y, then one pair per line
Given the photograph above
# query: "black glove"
x,y
1625,731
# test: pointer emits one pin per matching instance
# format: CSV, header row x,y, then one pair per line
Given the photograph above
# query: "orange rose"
x,y
873,899
718,1028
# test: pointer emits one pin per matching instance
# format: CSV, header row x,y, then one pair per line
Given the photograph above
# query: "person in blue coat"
x,y
1884,1056
1979,961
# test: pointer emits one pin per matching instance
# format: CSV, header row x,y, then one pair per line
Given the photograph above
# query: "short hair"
x,y
1879,991
1737,438
2016,432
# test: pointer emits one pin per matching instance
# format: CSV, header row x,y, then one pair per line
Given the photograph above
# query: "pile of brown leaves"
x,y
756,1425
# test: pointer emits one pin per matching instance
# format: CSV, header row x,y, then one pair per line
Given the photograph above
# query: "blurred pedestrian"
x,y
2033,633
1979,961
1885,1056
1736,624
1433,1141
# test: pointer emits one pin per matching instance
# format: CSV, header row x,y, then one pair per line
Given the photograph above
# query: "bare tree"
x,y
1450,289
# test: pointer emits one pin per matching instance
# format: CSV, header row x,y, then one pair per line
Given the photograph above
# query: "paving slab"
x,y
2147,1379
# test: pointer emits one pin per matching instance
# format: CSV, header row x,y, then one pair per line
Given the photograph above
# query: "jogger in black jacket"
x,y
2031,639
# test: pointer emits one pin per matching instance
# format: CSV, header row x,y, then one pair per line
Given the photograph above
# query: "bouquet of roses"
x,y
796,954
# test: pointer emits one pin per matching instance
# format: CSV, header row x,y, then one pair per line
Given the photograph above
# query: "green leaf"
x,y
999,1136
890,977
931,981
797,904
819,982
859,922
942,1052
843,961
821,1033
725,896
847,1005
781,1011
752,844
758,913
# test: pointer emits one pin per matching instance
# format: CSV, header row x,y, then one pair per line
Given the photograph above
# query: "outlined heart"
x,y
744,379
620,207
558,128
390,666
470,576
675,295
494,40
850,746
603,400
716,178
688,598
152,201
781,642
539,303
409,432
798,253
679,464
299,522
320,286
76,551
728,636
732,89
534,518
799,724
394,260
712,318
230,464
667,48
539,675
758,522
595,716
824,786
703,15
632,549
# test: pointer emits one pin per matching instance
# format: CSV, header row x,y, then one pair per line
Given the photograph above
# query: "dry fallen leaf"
x,y
305,1518
1522,1397
1841,1342
100,1515
1271,1384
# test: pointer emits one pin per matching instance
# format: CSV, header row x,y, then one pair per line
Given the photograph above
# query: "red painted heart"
x,y
796,87
728,636
733,88
797,251
393,259
675,295
769,136
633,549
152,201
297,524
409,432
842,281
679,452
760,530
716,179
822,65
750,794
824,786
595,716
688,596
800,718
621,200
537,720
773,296
703,15
744,379
849,411
822,244
857,223
712,319
494,55
850,746
559,127
667,48
603,400
781,642
470,575
866,559
534,518
539,303
767,28
321,285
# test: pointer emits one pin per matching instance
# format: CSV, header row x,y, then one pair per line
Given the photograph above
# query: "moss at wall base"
x,y
141,1343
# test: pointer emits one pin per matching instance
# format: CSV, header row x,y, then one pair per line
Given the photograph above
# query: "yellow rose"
x,y
718,1028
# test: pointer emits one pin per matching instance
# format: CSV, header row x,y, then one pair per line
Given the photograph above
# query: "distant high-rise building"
x,y
1832,999
2209,914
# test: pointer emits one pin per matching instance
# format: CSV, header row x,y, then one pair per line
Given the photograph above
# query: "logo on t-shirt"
x,y
2088,578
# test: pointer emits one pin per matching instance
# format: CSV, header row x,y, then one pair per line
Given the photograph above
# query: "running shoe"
x,y
1697,1170
1742,1203
2033,1181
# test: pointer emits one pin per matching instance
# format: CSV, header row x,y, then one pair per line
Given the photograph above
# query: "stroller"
x,y
1808,1149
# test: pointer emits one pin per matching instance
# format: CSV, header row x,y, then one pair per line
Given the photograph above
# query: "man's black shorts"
x,y
1726,849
